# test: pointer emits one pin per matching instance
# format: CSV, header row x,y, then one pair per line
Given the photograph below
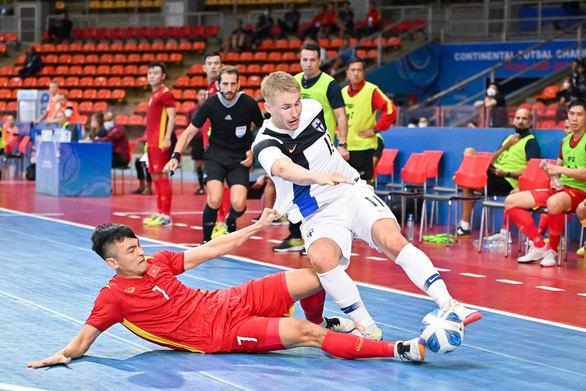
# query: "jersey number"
x,y
329,145
156,288
375,201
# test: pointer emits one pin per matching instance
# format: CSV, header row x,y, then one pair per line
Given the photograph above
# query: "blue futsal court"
x,y
51,278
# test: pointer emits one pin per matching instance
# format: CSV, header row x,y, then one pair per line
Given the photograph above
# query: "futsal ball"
x,y
442,331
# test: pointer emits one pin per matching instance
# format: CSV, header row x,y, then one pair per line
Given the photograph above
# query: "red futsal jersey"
x,y
162,310
156,117
205,129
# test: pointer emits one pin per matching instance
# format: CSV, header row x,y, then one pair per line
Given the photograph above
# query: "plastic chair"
x,y
472,174
19,156
386,165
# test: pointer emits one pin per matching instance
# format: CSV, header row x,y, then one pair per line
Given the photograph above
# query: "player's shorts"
x,y
253,323
497,185
576,195
351,216
378,152
220,165
197,148
362,162
158,158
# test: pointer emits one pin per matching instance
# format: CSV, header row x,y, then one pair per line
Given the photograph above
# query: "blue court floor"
x,y
50,279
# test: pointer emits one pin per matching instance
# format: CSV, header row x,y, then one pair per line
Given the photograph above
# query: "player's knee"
x,y
470,151
554,205
215,202
310,333
581,212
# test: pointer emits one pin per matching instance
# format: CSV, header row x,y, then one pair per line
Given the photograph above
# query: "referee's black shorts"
x,y
220,164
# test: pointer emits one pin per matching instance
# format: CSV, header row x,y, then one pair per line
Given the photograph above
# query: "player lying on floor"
x,y
147,298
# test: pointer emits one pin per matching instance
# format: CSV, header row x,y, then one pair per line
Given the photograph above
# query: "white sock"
x,y
465,224
421,271
345,294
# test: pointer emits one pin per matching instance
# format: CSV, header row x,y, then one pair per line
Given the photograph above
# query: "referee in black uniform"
x,y
228,155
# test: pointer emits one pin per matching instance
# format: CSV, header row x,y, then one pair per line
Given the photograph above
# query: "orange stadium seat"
x,y
130,47
89,94
260,56
324,42
127,82
290,56
49,59
14,94
5,93
103,47
135,120
103,94
294,44
247,91
182,82
295,68
549,124
78,59
199,46
119,58
43,82
146,57
76,93
252,69
59,80
196,69
245,56
47,48
88,47
100,106
141,82
232,57
103,69
336,43
254,81
2,105
100,81
176,58
86,81
143,47
22,58
114,82
157,47
88,70
283,67
6,71
177,94
92,59
106,58
116,70
61,47
267,68
267,44
3,82
11,106
197,81
130,69
171,46
121,119
14,82
275,57
47,70
161,57
188,104
118,95
190,95
85,106
116,47
71,82
181,121
184,46
549,92
74,47
29,82
281,44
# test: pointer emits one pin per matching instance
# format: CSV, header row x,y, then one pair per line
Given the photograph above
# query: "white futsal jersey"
x,y
309,146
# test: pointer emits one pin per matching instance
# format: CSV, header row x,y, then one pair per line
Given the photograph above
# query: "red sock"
x,y
313,307
166,195
352,346
526,225
542,224
158,191
225,208
556,225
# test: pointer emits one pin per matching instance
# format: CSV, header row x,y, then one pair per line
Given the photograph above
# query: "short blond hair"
x,y
277,83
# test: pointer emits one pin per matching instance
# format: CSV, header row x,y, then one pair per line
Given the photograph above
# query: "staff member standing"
x,y
228,156
362,100
320,86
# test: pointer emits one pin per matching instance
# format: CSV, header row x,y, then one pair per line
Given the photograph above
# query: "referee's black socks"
x,y
209,218
231,219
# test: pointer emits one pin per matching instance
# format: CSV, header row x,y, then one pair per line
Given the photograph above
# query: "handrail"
x,y
492,68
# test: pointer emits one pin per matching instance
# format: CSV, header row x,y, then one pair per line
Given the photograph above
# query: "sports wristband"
x,y
375,130
508,174
176,156
343,145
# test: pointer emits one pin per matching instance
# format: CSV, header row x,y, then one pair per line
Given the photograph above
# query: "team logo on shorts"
x,y
318,125
310,233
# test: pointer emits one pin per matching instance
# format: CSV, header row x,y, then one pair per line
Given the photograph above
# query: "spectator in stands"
x,y
508,163
32,64
61,29
8,134
63,123
315,24
197,148
423,122
290,22
330,21
363,100
496,106
66,106
262,28
578,78
472,124
571,171
413,123
567,129
345,54
238,40
113,133
372,23
345,21
53,100
563,99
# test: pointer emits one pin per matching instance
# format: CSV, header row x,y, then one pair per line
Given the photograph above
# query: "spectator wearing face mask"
x,y
413,123
67,107
496,107
115,134
423,122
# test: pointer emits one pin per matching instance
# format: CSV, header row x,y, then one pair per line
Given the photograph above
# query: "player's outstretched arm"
x,y
289,171
74,349
224,244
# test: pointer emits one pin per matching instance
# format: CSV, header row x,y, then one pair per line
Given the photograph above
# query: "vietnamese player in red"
x,y
147,298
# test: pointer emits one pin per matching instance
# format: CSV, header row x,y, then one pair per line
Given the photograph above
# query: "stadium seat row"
x,y
118,47
133,58
146,32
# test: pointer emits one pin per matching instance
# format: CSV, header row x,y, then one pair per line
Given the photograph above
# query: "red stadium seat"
x,y
254,81
295,68
85,107
135,120
103,47
100,106
75,94
282,67
143,47
88,70
196,69
190,95
88,47
89,94
176,58
260,56
290,56
11,106
127,82
199,46
47,70
212,31
71,82
275,57
43,82
119,95
197,31
103,69
121,119
252,69
184,46
100,81
294,44
267,44
3,82
267,68
141,82
74,47
119,58
187,105
130,47
182,82
29,82
6,71
86,81
5,93
177,94
157,47
103,94
197,81
130,69
78,59
14,82
281,44
92,59
159,57
114,82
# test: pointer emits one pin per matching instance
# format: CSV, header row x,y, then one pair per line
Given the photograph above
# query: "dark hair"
x,y
577,102
355,60
160,65
211,53
107,234
228,69
311,46
198,89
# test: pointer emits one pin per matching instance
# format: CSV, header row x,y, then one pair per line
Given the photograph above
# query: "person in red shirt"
x,y
372,22
115,134
147,298
315,24
160,123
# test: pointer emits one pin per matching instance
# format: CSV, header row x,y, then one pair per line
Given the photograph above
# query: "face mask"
x,y
68,112
108,125
491,92
423,125
566,85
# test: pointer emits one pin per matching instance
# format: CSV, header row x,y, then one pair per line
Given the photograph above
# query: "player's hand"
x,y
552,169
56,359
249,159
498,172
166,144
259,182
512,141
333,179
267,217
366,133
344,152
171,165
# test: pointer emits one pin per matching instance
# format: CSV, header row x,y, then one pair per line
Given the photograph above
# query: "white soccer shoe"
x,y
360,331
534,254
412,350
466,314
550,259
338,324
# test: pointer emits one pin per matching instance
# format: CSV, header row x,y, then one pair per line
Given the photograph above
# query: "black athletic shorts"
x,y
362,162
378,152
219,164
497,185
197,148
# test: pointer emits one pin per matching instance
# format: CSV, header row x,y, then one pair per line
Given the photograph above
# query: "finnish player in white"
x,y
317,186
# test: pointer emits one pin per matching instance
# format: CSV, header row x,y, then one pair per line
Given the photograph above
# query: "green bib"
x,y
574,158
514,158
319,92
361,116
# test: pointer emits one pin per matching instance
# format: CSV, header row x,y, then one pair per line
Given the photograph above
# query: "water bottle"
x,y
554,180
410,227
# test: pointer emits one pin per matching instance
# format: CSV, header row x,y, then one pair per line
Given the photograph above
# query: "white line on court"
x,y
510,282
549,288
377,258
472,275
278,267
11,387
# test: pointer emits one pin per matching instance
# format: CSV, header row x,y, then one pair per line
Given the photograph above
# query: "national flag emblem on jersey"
x,y
153,270
318,125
